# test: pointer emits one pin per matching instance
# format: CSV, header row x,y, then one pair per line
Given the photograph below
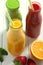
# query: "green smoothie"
x,y
13,9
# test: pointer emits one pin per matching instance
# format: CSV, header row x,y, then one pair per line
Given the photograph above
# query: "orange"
x,y
16,23
37,49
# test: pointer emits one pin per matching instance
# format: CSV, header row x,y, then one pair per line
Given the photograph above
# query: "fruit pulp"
x,y
37,49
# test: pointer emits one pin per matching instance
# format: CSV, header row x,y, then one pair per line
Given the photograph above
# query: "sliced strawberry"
x,y
31,62
21,60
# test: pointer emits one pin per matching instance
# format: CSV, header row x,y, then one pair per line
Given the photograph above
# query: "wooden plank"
x,y
8,59
1,41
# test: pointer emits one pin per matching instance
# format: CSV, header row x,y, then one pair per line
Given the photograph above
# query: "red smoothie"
x,y
33,21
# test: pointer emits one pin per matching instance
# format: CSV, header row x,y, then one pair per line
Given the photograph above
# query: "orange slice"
x,y
16,23
37,49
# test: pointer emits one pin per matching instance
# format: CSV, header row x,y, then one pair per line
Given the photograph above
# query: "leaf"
x,y
16,62
3,51
1,58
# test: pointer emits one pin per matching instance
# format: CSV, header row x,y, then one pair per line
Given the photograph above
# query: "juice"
x,y
16,38
33,21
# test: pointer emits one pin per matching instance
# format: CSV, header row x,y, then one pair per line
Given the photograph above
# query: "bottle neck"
x,y
15,29
13,11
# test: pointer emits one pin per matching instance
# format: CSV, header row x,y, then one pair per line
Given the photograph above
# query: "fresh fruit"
x,y
31,62
16,23
2,52
20,60
17,63
37,49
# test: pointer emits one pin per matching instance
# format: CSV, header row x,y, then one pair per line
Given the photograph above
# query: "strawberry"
x,y
31,62
20,60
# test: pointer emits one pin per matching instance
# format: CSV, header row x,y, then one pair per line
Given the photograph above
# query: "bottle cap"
x,y
12,4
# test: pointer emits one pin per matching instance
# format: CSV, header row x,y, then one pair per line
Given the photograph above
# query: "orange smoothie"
x,y
16,38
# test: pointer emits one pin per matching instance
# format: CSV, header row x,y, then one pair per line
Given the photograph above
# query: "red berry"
x,y
21,59
31,62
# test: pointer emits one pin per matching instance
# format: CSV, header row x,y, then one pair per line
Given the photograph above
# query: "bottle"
x,y
13,9
15,38
33,21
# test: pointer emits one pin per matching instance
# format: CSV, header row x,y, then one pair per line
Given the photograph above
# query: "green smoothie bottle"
x,y
13,10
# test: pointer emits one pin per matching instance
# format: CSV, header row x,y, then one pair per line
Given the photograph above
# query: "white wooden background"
x,y
24,9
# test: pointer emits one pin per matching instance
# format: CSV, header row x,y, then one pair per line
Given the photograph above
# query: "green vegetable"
x,y
1,57
2,53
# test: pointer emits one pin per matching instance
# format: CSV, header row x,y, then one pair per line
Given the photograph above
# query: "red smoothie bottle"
x,y
33,21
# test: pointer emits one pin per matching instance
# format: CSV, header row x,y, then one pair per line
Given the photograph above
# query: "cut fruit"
x,y
37,49
16,23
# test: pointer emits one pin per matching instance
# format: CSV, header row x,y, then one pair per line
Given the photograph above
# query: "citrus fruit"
x,y
37,49
16,23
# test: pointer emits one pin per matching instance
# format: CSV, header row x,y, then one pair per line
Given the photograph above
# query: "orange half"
x,y
37,49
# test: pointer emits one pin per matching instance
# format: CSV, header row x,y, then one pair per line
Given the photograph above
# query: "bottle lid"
x,y
12,4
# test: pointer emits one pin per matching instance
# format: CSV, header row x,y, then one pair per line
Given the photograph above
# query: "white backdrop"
x,y
24,9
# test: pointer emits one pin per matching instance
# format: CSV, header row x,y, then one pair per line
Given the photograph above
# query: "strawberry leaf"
x,y
17,62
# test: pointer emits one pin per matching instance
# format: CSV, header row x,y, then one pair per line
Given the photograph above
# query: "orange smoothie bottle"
x,y
15,38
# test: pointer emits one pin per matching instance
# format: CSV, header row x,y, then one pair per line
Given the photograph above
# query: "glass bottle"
x,y
33,21
15,38
13,9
